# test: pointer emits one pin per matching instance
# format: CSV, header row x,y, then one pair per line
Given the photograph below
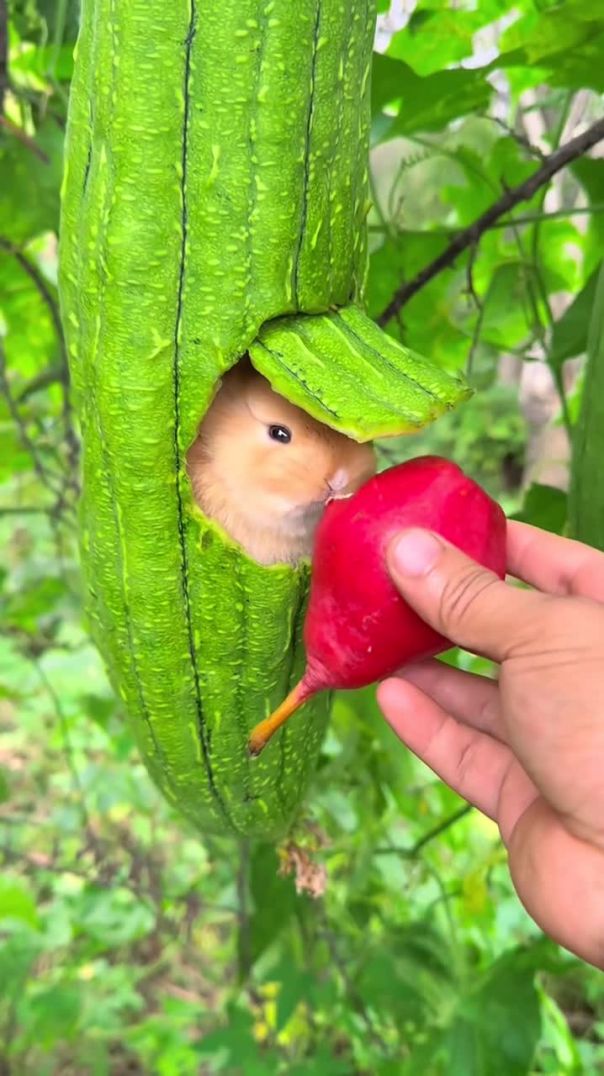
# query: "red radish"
x,y
358,629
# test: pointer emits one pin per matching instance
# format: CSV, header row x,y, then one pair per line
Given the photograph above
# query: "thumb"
x,y
462,600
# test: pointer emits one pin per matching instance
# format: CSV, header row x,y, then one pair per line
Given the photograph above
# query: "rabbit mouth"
x,y
336,495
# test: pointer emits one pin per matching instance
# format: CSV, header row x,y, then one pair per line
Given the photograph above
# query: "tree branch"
x,y
52,305
576,147
20,134
25,510
40,284
415,849
46,477
52,375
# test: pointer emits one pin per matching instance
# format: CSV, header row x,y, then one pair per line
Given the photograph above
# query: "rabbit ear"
x,y
319,361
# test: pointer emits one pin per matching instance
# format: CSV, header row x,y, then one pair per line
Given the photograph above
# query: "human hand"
x,y
528,749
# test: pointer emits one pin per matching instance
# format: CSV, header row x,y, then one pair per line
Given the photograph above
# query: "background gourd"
x,y
215,198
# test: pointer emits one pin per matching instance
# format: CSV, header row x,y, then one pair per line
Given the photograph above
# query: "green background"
x,y
129,945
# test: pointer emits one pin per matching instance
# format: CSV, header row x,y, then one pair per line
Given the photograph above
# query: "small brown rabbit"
x,y
264,469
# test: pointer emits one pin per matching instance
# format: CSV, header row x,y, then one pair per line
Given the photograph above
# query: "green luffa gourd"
x,y
214,204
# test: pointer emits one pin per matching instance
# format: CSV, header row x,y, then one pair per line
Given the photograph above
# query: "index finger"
x,y
553,564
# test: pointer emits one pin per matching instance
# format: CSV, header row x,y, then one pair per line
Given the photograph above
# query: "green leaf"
x,y
53,1014
235,1039
409,978
274,899
590,173
14,459
36,602
488,170
30,338
4,784
545,507
565,39
512,306
428,324
19,950
425,103
113,917
294,986
29,193
36,20
569,337
438,35
44,62
497,1025
323,1064
99,708
49,10
17,902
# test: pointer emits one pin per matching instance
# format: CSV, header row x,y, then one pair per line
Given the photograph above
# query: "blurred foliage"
x,y
128,944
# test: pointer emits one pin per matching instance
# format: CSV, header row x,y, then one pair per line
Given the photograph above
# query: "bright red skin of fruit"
x,y
358,629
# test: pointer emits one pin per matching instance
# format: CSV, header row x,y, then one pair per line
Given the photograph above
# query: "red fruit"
x,y
358,628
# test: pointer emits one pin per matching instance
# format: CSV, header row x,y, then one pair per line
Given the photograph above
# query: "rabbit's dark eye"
x,y
280,433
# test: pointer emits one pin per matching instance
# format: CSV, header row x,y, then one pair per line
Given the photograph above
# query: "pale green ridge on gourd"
x,y
215,181
346,372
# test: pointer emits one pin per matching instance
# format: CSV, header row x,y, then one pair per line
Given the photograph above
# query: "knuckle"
x,y
461,593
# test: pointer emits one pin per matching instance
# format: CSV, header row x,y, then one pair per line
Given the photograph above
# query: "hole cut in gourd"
x,y
332,383
263,469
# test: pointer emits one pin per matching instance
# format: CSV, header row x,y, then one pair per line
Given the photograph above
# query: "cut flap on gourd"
x,y
342,369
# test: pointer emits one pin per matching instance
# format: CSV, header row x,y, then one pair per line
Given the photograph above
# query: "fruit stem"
x,y
263,732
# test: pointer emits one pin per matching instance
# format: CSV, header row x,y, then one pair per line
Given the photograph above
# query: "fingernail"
x,y
415,552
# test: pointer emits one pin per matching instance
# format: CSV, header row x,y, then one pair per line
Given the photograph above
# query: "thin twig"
x,y
24,510
24,138
555,214
415,849
561,157
557,371
508,222
67,745
386,223
355,999
51,375
62,373
45,476
479,307
521,139
38,280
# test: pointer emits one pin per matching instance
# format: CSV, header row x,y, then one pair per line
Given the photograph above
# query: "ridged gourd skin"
x,y
215,179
